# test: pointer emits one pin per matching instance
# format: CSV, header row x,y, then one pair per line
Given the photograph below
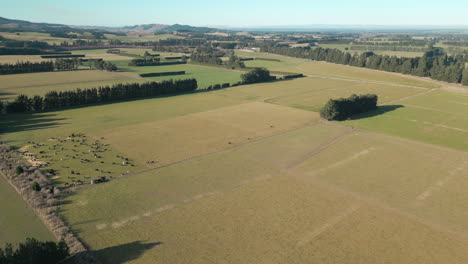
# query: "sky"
x,y
239,13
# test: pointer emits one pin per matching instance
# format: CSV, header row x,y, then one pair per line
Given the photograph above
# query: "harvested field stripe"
x,y
408,97
463,236
346,160
329,224
321,148
440,183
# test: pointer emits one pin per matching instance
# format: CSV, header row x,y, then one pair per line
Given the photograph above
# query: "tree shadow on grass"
x,y
124,253
379,111
23,122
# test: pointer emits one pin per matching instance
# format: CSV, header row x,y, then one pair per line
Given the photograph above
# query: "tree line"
x,y
434,64
33,251
343,108
57,65
103,94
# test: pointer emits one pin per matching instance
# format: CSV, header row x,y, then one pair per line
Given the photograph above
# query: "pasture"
x,y
250,174
287,197
438,117
18,217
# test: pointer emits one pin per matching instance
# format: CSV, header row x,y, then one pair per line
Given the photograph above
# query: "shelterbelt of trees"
x,y
343,108
434,64
78,97
58,65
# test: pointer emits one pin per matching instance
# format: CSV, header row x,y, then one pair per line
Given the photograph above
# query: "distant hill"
x,y
187,28
21,25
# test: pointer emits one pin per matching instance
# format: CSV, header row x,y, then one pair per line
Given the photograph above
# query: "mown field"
x,y
250,174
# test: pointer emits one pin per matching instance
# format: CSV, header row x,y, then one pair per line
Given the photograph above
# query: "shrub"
x,y
343,108
225,85
35,186
19,170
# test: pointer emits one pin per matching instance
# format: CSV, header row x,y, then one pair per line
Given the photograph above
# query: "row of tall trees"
x,y
26,67
343,108
146,61
104,94
434,63
102,65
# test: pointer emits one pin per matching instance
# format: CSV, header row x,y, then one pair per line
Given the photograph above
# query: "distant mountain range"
x,y
22,25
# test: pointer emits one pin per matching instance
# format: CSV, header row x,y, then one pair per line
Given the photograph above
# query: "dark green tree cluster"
x,y
147,61
434,63
66,64
26,67
343,108
234,61
207,54
102,65
33,251
62,34
257,75
10,43
117,92
19,51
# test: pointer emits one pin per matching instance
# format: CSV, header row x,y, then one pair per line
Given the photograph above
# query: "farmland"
x,y
19,219
251,174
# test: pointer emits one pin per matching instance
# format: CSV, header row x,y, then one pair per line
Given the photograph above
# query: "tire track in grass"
x,y
328,225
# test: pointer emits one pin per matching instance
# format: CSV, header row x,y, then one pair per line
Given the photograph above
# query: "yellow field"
x,y
195,134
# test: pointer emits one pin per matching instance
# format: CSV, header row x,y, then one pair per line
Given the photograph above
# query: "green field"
x,y
250,174
17,220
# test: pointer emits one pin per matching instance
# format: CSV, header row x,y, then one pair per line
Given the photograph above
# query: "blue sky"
x,y
239,13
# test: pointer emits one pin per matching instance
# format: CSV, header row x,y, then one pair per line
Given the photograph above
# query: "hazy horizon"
x,y
242,13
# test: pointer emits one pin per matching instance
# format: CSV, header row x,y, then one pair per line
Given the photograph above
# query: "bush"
x,y
19,170
35,186
257,75
343,108
225,85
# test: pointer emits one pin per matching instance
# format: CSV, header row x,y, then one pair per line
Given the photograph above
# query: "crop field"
x,y
18,217
251,174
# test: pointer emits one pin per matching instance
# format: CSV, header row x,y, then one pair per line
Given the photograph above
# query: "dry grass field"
x,y
298,197
180,138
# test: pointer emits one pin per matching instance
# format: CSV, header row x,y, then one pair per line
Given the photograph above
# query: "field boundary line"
x,y
328,224
379,204
347,132
411,96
